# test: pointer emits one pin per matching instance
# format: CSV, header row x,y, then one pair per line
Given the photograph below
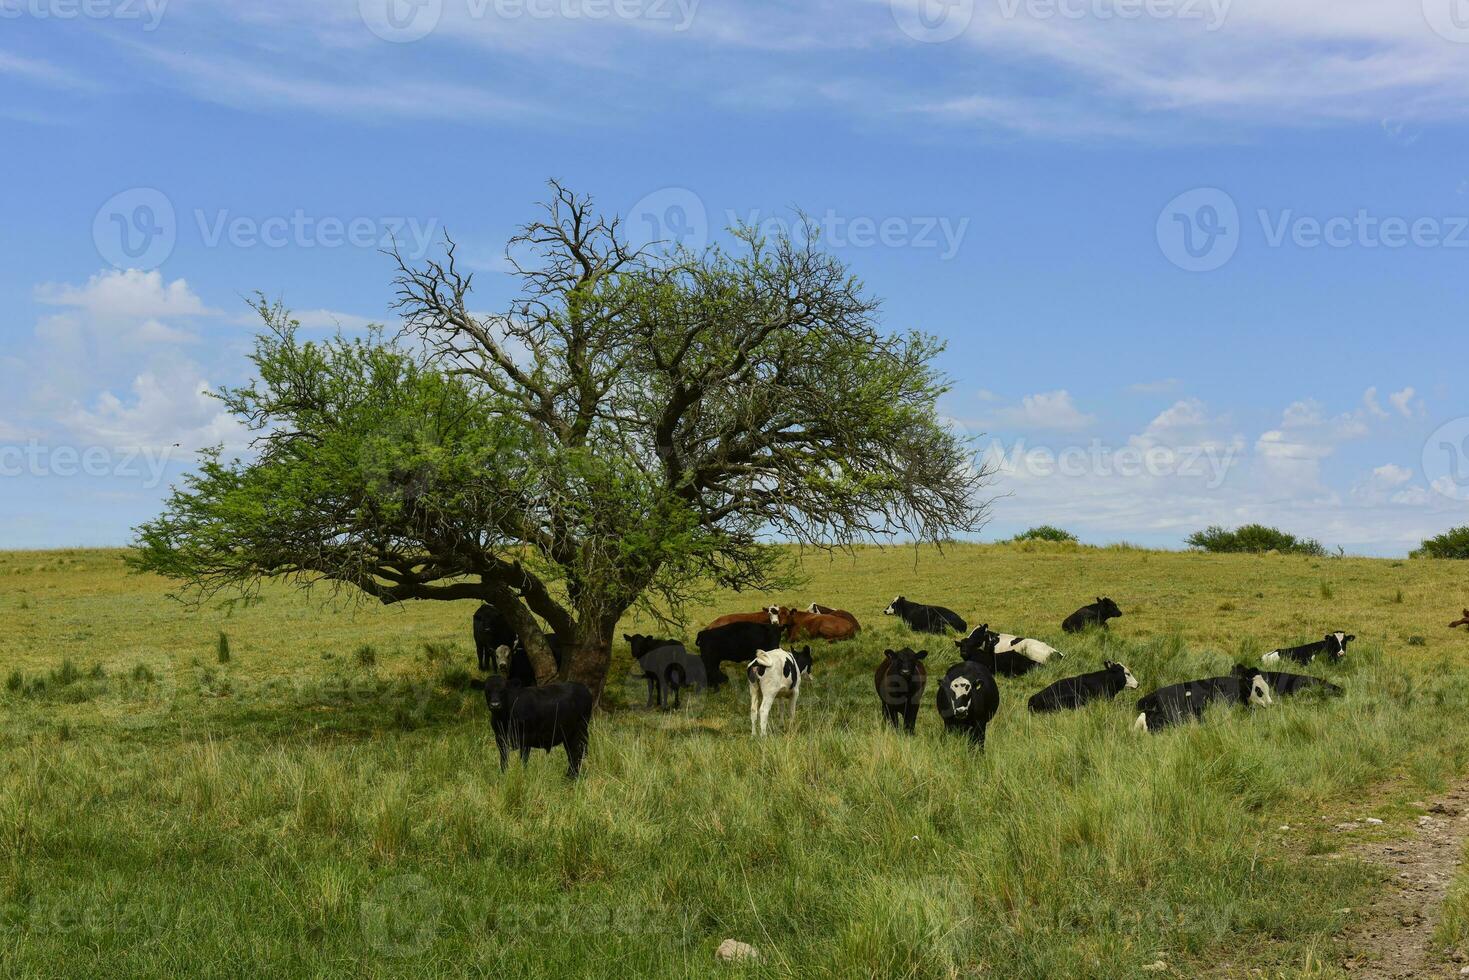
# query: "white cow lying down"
x,y
771,674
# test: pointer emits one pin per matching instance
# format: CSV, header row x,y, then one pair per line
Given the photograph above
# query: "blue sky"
x,y
1197,261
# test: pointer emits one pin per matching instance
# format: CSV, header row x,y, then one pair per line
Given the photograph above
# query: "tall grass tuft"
x,y
222,648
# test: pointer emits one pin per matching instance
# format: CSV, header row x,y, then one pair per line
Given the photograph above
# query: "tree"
x,y
639,426
1453,543
1254,539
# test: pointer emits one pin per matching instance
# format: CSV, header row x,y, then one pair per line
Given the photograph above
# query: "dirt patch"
x,y
1393,936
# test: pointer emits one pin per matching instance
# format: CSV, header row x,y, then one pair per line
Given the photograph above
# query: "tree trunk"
x,y
527,627
589,661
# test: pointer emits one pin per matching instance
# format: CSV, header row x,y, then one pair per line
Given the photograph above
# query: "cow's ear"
x,y
1108,665
920,655
1350,636
958,643
888,654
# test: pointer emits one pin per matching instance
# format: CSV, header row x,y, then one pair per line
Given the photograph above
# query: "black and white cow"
x,y
498,647
900,680
1073,692
491,629
526,718
771,674
968,698
667,666
1095,614
1036,650
737,642
979,646
1185,702
1284,685
1334,645
925,619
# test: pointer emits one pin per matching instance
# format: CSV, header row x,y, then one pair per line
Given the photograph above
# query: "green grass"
x,y
305,808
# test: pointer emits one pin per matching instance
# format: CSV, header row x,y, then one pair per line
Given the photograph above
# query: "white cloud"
x,y
1373,406
174,409
1392,474
1403,402
118,294
1046,410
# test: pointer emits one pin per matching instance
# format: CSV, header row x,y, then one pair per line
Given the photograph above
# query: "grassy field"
x,y
325,799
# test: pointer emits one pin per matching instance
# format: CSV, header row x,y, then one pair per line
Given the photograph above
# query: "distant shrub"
x,y
66,674
143,674
1450,544
1417,641
365,656
1045,532
1254,539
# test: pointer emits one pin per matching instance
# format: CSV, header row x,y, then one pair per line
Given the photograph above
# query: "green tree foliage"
x,y
638,426
1254,539
1453,543
1045,532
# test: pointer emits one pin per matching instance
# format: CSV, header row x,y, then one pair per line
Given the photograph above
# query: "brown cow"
x,y
803,625
1462,622
828,611
763,616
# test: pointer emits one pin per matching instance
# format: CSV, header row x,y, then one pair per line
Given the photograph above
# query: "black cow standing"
x,y
1073,692
498,646
1284,685
979,646
968,698
1186,701
734,642
925,619
667,666
526,718
1333,645
1095,614
900,680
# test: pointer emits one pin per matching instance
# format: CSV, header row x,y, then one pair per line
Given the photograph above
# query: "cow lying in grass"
x,y
1095,614
799,625
526,718
829,611
667,666
1334,645
900,680
1031,649
968,698
979,647
1175,703
1073,692
1461,622
923,618
771,674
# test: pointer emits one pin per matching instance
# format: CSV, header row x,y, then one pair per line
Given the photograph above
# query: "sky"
x,y
1196,261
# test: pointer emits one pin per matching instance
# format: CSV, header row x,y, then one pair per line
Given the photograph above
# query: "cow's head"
x,y
981,640
497,691
961,691
501,659
1254,689
1336,644
894,606
803,660
1107,608
1128,681
904,663
638,643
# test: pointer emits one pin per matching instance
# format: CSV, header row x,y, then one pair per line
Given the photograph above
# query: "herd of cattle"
x,y
524,716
